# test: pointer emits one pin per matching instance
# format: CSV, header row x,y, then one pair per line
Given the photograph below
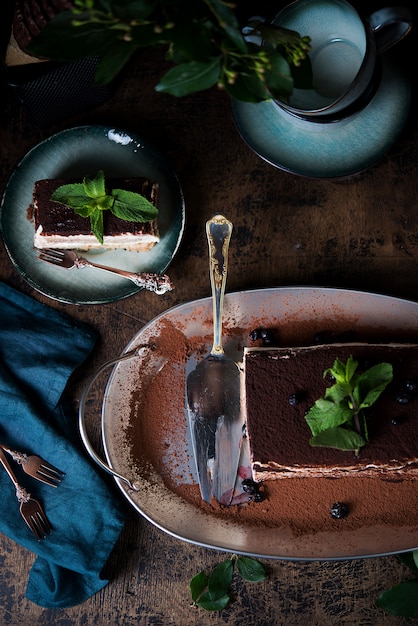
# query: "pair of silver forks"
x,y
36,467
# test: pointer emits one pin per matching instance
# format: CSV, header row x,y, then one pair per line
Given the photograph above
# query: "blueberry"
x,y
403,397
398,420
265,335
253,490
339,510
322,336
296,398
249,486
411,385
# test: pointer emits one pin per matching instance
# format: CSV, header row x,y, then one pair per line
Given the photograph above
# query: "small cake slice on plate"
x,y
58,225
280,385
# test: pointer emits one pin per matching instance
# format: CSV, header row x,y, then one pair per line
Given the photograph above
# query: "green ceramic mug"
x,y
344,53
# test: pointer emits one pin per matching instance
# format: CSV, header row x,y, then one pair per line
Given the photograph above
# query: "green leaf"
x,y
72,195
96,224
303,75
223,12
325,415
350,369
190,77
279,77
339,438
372,383
95,187
248,88
250,569
338,393
198,584
221,577
211,602
218,583
410,559
401,599
60,40
235,35
134,9
336,420
339,370
132,207
112,61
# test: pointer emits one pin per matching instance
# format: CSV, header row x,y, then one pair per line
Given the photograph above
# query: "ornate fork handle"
x,y
20,457
21,494
158,283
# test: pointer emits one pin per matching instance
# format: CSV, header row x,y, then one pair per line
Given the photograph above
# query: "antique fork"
x,y
36,467
30,509
158,283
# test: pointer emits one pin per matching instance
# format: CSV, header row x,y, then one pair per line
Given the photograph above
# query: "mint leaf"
x,y
132,207
326,415
251,570
90,199
96,224
337,419
371,384
95,187
339,438
72,195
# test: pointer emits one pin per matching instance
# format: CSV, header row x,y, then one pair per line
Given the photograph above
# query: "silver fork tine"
x,y
50,475
52,256
38,523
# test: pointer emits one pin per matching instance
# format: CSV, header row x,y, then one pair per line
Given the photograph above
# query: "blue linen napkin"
x,y
39,350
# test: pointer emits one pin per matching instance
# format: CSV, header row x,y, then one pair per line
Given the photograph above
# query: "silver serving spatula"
x,y
213,388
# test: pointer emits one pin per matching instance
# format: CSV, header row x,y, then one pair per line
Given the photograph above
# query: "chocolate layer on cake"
x,y
280,386
58,226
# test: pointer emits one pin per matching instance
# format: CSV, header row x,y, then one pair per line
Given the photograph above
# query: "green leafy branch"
x,y
202,38
212,592
402,599
338,420
90,199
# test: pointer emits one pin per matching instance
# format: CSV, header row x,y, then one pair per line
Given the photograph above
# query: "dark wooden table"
x,y
359,233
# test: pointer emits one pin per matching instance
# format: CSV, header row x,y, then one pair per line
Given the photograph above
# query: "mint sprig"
x,y
91,198
338,420
212,592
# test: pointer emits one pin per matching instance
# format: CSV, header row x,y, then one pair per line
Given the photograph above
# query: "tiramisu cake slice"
x,y
59,226
282,384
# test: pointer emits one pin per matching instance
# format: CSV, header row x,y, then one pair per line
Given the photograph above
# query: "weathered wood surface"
x,y
359,233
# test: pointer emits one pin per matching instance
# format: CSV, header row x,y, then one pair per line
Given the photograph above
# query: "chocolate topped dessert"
x,y
58,226
282,384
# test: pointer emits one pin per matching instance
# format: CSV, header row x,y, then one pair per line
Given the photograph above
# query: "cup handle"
x,y
389,26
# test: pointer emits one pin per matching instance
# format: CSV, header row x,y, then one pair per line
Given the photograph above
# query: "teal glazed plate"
x,y
331,149
75,153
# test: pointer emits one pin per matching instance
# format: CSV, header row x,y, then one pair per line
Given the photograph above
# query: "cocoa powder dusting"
x,y
157,432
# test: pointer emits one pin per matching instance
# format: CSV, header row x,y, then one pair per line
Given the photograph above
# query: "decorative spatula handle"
x,y
218,231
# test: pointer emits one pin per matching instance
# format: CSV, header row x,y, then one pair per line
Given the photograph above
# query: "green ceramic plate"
x,y
334,149
74,153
